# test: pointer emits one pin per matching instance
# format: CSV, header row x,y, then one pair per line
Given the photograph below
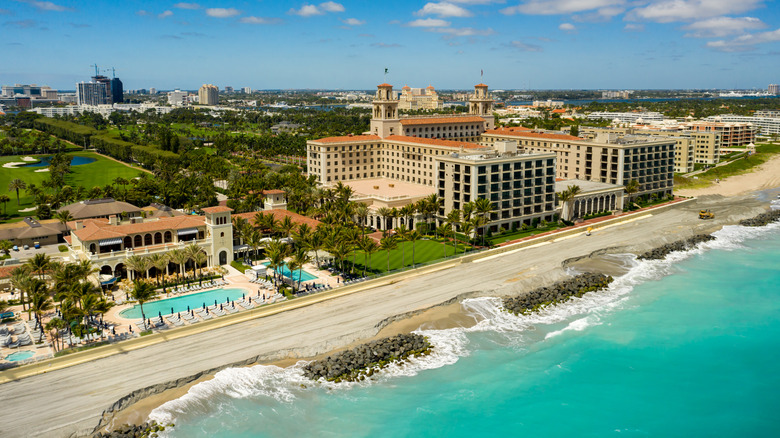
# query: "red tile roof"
x,y
273,192
217,209
97,229
559,111
503,131
279,215
384,85
481,85
440,120
5,271
433,141
347,138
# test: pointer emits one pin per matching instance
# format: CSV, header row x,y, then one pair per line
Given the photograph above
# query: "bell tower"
x,y
480,104
384,119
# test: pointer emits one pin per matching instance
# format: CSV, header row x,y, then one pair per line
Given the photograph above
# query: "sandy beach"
x,y
430,299
767,176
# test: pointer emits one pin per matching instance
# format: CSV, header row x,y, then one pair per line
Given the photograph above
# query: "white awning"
x,y
109,242
187,231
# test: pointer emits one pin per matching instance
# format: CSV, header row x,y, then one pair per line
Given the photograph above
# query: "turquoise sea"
x,y
686,347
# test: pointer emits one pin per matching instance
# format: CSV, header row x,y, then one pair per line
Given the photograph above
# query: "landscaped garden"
x,y
425,251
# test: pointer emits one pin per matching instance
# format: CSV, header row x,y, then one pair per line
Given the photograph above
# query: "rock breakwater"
x,y
557,293
681,245
762,219
363,360
143,430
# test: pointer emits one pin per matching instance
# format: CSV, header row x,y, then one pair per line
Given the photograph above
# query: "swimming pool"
x,y
20,355
305,276
75,161
180,303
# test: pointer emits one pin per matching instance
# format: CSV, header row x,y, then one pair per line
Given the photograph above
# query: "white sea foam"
x,y
285,384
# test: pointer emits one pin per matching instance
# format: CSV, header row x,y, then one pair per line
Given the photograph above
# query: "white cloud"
x,y
555,7
222,12
332,7
667,11
443,9
524,47
353,22
308,10
745,42
142,13
260,20
191,6
165,14
719,27
567,27
463,31
46,6
633,27
429,22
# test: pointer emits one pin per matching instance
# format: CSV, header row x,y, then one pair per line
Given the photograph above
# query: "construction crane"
x,y
97,71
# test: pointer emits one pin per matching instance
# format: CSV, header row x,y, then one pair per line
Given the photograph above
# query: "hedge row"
x,y
72,132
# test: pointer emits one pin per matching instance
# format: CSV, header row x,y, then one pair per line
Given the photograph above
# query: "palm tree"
x,y
402,232
406,212
302,235
432,204
39,304
368,246
5,246
39,264
445,230
4,199
276,251
413,236
300,258
483,207
388,244
341,251
384,213
361,211
200,258
159,261
17,185
64,217
287,226
139,264
315,243
453,219
142,292
631,188
191,250
54,326
180,257
467,227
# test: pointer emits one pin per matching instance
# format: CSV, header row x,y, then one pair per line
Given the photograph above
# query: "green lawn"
x,y
519,234
764,152
424,251
98,173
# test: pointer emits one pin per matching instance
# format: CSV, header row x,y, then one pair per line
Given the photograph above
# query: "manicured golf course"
x,y
98,173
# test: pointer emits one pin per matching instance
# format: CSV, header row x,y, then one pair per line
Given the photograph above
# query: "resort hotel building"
x,y
461,158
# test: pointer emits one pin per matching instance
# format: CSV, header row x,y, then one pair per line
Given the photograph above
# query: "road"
x,y
70,401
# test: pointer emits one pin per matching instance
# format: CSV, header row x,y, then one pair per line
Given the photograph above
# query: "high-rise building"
x,y
152,90
178,97
774,89
228,89
92,93
246,90
117,93
208,95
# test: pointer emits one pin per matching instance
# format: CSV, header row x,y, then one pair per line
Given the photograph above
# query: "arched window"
x,y
128,242
138,241
168,237
92,248
157,238
148,239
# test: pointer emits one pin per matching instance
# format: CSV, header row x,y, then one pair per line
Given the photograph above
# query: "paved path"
x,y
70,400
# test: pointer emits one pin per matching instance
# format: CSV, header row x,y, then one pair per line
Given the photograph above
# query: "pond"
x,y
76,161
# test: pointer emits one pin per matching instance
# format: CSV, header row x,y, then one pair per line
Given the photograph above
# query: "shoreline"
x,y
427,298
446,315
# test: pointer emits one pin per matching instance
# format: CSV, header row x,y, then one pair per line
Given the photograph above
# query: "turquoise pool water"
x,y
20,355
76,161
180,303
305,276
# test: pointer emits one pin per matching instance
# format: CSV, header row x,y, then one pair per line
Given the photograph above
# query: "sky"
x,y
454,44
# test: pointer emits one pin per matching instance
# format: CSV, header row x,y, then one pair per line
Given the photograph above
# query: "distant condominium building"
x,y
616,94
419,98
30,90
627,117
612,159
92,93
208,95
773,89
246,90
731,133
178,97
117,92
766,122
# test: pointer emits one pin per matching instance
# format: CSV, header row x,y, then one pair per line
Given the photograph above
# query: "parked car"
x,y
26,246
16,248
37,245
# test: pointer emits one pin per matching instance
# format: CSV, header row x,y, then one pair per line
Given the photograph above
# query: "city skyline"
x,y
536,44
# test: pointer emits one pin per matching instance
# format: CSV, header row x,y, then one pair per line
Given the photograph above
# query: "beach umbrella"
x,y
178,315
227,300
188,308
215,302
171,310
204,305
243,297
207,311
159,313
113,330
220,307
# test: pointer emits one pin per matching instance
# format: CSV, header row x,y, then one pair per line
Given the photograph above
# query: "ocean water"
x,y
685,347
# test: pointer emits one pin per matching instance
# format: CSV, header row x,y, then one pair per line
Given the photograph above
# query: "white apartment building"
x,y
766,122
178,98
627,117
